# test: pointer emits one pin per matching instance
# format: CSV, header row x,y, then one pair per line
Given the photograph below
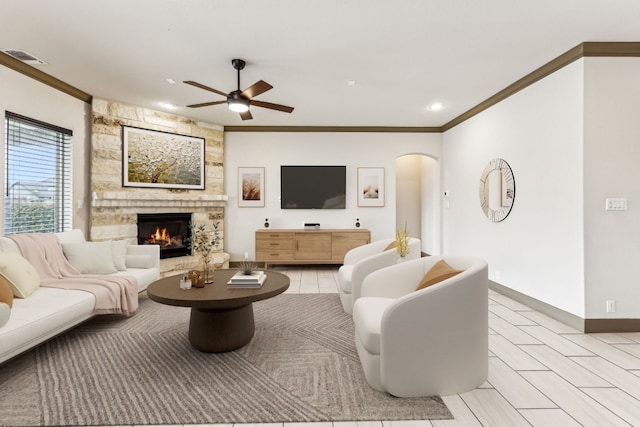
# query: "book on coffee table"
x,y
253,280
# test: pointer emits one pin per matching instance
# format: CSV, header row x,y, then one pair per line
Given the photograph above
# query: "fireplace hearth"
x,y
168,230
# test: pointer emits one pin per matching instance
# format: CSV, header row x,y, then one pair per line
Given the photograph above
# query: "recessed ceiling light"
x,y
436,106
351,83
168,105
171,81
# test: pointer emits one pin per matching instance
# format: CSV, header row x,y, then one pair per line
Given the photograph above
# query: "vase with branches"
x,y
402,241
205,243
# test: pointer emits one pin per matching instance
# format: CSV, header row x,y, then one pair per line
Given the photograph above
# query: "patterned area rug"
x,y
301,366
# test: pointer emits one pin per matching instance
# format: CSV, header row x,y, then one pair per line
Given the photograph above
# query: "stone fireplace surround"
x,y
114,208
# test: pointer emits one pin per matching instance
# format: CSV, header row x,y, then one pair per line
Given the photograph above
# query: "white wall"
x,y
273,149
612,162
538,249
430,185
27,97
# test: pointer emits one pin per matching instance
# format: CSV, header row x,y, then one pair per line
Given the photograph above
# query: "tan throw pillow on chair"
x,y
439,272
390,246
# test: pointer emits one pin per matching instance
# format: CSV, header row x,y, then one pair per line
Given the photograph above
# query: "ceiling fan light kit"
x,y
238,100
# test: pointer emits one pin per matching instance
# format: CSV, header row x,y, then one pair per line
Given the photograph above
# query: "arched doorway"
x,y
417,199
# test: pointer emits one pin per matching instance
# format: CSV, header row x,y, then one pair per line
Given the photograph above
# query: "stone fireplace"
x,y
115,209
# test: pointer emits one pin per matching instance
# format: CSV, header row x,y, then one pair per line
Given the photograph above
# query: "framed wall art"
x,y
371,187
251,187
162,160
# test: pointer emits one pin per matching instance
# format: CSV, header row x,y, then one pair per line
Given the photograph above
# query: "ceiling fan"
x,y
239,101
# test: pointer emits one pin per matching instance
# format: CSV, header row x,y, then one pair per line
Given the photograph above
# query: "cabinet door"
x,y
313,246
342,242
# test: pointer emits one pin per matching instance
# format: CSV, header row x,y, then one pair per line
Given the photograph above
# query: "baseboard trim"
x,y
592,326
588,326
567,318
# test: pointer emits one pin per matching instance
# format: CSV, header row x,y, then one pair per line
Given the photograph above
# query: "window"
x,y
37,176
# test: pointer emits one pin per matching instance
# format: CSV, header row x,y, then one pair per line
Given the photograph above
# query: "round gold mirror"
x,y
497,190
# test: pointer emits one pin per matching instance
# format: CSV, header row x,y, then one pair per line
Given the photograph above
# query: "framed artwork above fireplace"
x,y
162,160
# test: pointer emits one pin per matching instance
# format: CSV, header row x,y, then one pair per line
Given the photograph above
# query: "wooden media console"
x,y
291,246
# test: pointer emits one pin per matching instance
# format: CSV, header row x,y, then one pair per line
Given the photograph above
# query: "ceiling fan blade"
x,y
201,86
257,88
206,104
246,115
271,106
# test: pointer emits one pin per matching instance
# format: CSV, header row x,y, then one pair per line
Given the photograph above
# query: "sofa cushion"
x,y
119,252
344,278
72,236
138,261
6,293
5,313
143,276
390,246
8,245
367,318
90,257
46,313
439,272
21,275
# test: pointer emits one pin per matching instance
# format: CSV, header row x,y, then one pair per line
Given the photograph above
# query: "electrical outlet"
x,y
611,306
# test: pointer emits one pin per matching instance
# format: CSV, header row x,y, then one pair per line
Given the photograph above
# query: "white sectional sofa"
x,y
50,311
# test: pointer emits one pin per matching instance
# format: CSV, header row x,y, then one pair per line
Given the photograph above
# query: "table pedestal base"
x,y
220,330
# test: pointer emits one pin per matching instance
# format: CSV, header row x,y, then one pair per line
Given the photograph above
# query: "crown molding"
x,y
383,129
42,77
610,49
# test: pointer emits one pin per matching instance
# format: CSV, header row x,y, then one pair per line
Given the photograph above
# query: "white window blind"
x,y
38,196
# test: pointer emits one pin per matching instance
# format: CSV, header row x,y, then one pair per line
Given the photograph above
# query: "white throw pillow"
x,y
139,261
21,275
90,257
5,313
119,250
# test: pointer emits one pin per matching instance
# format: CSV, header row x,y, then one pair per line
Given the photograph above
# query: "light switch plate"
x,y
618,204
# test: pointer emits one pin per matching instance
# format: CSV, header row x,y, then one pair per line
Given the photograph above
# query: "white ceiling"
x,y
403,54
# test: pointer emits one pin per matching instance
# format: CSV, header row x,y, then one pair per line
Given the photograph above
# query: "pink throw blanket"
x,y
114,294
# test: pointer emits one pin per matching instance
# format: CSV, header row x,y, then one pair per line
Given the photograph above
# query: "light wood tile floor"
x,y
541,372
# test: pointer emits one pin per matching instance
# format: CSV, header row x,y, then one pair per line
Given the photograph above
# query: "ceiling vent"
x,y
24,56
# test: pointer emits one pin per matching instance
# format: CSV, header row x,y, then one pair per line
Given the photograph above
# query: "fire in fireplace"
x,y
168,230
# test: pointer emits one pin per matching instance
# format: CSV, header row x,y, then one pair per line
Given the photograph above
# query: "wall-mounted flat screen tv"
x,y
312,187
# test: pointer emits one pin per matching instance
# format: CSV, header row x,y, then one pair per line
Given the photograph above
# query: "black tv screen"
x,y
312,187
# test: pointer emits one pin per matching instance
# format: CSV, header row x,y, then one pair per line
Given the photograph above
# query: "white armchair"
x,y
433,341
361,261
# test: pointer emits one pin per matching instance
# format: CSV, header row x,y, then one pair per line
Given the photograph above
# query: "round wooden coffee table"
x,y
221,318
